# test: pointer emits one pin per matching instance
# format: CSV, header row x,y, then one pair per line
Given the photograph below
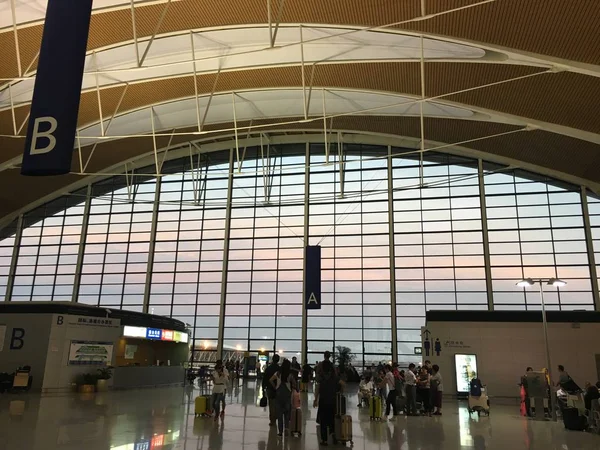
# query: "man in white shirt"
x,y
390,381
220,378
364,390
411,391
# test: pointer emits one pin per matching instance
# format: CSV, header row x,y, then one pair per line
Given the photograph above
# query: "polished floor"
x,y
154,419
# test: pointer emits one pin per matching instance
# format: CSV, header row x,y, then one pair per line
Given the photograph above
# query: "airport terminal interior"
x,y
402,183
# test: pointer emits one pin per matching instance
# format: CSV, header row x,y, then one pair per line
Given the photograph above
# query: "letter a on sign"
x,y
312,277
57,89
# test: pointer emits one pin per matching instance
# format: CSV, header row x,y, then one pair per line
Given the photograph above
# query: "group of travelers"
x,y
565,386
416,391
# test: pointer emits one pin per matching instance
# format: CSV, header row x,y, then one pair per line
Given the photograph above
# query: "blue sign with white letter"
x,y
55,104
312,279
153,333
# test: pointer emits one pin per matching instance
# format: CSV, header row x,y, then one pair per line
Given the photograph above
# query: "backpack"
x,y
283,394
475,387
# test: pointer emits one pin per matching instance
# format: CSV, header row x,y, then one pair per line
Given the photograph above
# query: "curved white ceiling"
x,y
266,104
27,11
247,47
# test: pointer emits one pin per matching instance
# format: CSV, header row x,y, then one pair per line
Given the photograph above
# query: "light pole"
x,y
556,283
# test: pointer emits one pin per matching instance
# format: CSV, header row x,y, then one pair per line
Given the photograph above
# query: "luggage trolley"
x,y
479,404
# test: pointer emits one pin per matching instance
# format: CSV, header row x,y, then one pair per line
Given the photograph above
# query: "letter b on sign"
x,y
37,134
16,340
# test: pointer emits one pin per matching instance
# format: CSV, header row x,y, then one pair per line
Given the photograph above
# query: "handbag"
x,y
263,400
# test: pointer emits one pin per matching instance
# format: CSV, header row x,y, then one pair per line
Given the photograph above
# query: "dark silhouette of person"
x,y
437,346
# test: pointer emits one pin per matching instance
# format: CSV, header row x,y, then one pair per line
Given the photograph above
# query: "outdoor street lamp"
x,y
556,283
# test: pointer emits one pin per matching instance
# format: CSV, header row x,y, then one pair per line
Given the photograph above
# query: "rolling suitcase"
x,y
296,400
343,429
201,406
340,404
400,404
572,419
375,408
296,421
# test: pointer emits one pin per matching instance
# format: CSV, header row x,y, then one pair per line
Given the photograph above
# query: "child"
x,y
364,390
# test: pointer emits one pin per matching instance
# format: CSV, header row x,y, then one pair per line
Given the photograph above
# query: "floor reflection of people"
x,y
396,436
215,438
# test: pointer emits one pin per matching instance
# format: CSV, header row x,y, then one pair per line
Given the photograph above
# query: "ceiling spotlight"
x,y
526,282
556,282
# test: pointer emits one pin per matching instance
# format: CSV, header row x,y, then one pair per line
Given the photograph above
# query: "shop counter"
x,y
147,376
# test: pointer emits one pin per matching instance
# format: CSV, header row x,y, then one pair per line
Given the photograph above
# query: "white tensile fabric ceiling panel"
x,y
243,48
261,104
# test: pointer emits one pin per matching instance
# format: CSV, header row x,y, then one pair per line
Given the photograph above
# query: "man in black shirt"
x,y
269,389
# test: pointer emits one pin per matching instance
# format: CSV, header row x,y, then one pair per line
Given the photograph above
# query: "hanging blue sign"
x,y
153,333
55,104
312,278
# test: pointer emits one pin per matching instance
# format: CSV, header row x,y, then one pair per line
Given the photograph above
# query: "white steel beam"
x,y
134,31
13,9
422,102
235,129
341,162
208,103
158,25
154,141
303,75
325,128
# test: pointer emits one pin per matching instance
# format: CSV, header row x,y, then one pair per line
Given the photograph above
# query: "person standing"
x,y
325,397
411,390
390,382
284,382
319,368
268,388
218,394
295,367
437,390
424,389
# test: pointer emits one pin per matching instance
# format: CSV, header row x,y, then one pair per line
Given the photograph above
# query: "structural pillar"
x,y
13,261
152,246
82,241
390,169
306,223
486,240
589,241
225,257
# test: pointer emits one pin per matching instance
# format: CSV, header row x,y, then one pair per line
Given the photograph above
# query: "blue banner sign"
x,y
312,278
55,104
153,333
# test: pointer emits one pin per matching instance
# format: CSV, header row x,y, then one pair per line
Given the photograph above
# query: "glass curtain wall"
x,y
167,256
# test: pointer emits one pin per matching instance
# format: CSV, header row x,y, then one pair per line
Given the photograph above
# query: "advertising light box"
x,y
155,334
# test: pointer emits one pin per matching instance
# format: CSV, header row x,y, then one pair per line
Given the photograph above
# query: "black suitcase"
x,y
573,421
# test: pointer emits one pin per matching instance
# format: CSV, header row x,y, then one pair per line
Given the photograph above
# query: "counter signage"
x,y
153,333
156,334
